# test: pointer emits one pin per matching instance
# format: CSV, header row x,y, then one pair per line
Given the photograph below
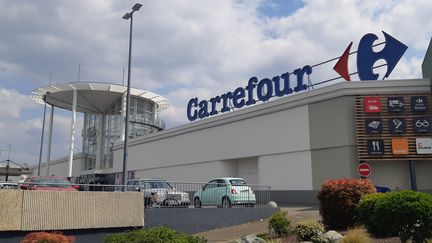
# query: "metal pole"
x,y
413,176
7,164
42,137
50,139
125,147
72,138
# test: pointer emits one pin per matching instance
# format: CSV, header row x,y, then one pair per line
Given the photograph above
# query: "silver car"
x,y
159,193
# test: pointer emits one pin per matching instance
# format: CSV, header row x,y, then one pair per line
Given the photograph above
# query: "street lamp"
x,y
127,16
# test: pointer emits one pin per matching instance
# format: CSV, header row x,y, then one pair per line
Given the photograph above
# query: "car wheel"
x,y
197,203
226,203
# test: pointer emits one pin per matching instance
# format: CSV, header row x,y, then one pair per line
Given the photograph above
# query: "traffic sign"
x,y
364,169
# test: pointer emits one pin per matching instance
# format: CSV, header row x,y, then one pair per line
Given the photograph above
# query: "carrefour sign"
x,y
282,85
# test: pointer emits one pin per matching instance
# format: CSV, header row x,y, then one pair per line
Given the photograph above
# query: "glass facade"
x,y
109,125
90,140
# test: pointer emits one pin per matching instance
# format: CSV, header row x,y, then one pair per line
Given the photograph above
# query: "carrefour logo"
x,y
366,57
282,85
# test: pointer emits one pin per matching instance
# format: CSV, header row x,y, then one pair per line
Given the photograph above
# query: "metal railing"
x,y
162,193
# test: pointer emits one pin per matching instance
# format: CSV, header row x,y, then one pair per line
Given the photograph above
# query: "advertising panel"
x,y
394,127
424,145
372,104
400,146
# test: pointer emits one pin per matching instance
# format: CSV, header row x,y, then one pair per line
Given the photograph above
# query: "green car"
x,y
225,192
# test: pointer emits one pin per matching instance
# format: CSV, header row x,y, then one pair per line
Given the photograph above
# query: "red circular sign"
x,y
364,169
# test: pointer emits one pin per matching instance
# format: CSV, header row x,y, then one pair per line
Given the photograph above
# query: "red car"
x,y
48,183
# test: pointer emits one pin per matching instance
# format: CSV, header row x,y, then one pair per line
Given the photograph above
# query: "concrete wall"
x,y
424,172
396,174
333,139
261,135
247,169
201,172
10,209
245,138
60,167
59,210
288,171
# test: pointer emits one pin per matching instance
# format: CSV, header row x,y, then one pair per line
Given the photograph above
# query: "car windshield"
x,y
51,182
159,184
237,182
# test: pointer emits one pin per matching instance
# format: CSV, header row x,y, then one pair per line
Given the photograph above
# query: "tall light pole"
x,y
127,16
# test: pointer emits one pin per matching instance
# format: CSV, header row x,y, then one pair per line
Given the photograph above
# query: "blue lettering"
x,y
203,113
239,94
241,97
300,73
192,103
264,96
213,102
225,98
286,90
251,85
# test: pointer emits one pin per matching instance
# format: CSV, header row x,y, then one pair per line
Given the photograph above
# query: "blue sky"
x,y
182,49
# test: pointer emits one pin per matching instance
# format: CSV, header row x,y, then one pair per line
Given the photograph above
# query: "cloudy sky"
x,y
181,49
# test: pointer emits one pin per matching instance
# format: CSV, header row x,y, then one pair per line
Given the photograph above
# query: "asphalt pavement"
x,y
296,213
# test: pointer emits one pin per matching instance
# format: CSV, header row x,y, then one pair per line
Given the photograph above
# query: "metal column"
x,y
48,159
72,138
413,175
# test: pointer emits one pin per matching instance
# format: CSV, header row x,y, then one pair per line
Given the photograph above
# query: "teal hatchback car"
x,y
225,192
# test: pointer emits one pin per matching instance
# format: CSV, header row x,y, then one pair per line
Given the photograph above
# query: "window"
x,y
237,182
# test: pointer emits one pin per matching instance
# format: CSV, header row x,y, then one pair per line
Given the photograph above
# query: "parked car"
x,y
382,189
225,192
8,185
159,192
48,183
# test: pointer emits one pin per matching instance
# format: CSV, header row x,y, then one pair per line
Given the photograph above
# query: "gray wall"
x,y
332,131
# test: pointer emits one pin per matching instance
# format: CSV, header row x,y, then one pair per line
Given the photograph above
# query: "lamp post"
x,y
127,16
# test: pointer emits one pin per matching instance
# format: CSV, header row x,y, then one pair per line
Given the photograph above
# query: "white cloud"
x,y
12,103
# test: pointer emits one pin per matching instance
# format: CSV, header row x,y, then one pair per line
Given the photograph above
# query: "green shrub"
x,y
279,223
153,235
357,235
406,214
310,230
264,236
339,200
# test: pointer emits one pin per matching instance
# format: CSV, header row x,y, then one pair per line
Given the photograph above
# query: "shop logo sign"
x,y
372,104
400,146
366,57
421,125
395,104
375,146
419,103
397,125
281,85
374,125
424,145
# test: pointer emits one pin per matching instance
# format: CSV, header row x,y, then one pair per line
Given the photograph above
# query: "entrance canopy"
x,y
91,97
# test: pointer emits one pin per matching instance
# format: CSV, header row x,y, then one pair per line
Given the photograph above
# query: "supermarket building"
x,y
292,144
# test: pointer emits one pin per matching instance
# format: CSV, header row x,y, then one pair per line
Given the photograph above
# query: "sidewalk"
x,y
228,234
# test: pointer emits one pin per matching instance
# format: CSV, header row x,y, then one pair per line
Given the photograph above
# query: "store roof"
x,y
91,97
